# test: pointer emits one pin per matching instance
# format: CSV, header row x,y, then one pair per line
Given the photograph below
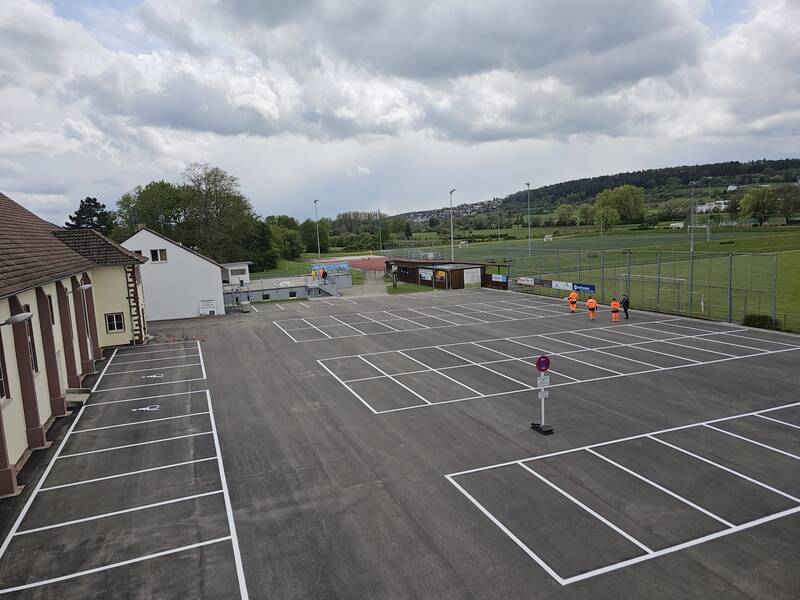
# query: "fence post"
x,y
578,280
539,263
774,286
658,281
691,279
558,264
602,275
730,287
628,287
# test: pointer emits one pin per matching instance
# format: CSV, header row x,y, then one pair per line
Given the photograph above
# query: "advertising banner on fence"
x,y
426,274
526,281
556,285
331,268
500,278
583,287
562,285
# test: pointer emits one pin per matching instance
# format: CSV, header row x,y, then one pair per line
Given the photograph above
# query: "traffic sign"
x,y
543,381
543,363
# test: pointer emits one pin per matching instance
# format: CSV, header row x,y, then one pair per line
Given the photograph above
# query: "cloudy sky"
x,y
367,104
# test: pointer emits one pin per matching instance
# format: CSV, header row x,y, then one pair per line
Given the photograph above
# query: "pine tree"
x,y
91,214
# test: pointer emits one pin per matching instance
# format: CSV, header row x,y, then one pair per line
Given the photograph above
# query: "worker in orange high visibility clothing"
x,y
591,304
615,310
573,301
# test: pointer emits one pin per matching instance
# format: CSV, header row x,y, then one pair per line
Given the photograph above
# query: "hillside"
x,y
660,185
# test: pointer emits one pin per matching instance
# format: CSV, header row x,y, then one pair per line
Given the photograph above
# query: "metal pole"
x,y
602,275
730,287
658,282
316,218
541,396
774,286
558,264
498,222
691,279
529,217
578,280
628,287
539,262
380,233
691,220
452,247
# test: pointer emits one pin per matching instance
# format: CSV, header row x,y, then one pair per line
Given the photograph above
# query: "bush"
x,y
762,321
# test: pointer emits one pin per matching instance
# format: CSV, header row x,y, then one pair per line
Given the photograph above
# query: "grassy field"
x,y
407,288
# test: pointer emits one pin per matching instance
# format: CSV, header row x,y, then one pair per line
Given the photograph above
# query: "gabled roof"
x,y
97,247
30,254
163,237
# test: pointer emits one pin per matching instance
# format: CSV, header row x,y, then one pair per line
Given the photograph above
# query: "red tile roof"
x,y
97,247
32,255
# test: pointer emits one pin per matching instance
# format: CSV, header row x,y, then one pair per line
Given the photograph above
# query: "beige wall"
x,y
13,416
110,294
40,377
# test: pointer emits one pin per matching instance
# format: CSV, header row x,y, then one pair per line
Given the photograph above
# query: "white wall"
x,y
110,295
174,289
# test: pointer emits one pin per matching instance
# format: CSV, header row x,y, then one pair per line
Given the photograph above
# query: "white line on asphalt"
x,y
129,362
291,337
117,512
158,441
126,474
779,421
139,422
202,363
400,383
445,375
89,405
352,391
347,325
228,509
751,441
152,369
115,565
127,387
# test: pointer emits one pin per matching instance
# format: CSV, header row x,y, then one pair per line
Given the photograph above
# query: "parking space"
x,y
138,478
500,366
588,511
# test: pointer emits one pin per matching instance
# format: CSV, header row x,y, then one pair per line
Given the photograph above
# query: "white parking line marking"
x,y
115,565
158,441
596,515
90,404
129,362
126,474
400,383
139,422
779,421
153,369
352,391
751,441
127,387
117,512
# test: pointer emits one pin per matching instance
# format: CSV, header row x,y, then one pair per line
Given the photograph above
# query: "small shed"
x,y
236,273
440,275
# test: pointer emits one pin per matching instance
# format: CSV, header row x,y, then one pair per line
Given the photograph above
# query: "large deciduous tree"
x,y
788,201
627,200
91,214
759,203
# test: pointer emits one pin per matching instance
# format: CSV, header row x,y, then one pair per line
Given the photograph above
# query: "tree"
x,y
564,214
585,214
308,234
265,255
759,203
91,214
161,206
606,217
628,200
788,201
408,233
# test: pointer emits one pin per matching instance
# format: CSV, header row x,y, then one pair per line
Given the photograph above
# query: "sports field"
x,y
380,447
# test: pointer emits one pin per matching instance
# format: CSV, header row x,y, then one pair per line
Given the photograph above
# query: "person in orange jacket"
x,y
615,310
573,301
591,304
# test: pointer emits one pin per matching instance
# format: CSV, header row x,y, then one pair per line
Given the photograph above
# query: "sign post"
x,y
542,364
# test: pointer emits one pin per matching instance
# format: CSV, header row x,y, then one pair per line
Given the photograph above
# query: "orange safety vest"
x,y
591,304
615,306
573,298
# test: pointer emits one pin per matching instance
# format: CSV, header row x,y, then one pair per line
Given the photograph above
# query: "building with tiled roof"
x,y
65,296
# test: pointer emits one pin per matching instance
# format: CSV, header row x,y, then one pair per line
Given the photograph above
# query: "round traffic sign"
x,y
543,363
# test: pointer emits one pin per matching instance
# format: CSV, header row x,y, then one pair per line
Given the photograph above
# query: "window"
x,y
139,252
264,296
115,322
238,272
159,255
52,312
31,340
292,294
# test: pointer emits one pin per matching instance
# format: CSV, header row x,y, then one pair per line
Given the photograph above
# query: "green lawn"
x,y
284,268
407,288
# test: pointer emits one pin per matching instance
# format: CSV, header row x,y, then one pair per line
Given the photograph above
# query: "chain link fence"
x,y
719,286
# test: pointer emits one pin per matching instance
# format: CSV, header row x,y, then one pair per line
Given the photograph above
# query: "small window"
x,y
159,255
264,296
292,294
238,272
52,312
139,252
115,322
31,340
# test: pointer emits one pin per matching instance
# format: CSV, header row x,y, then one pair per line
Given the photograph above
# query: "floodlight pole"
x,y
316,218
452,247
529,217
498,221
380,233
708,219
691,219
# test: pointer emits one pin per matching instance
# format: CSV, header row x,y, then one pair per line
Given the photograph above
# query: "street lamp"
x,y
452,247
17,318
316,218
529,217
691,220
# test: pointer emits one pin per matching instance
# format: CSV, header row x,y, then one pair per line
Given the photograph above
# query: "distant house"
x,y
65,295
676,225
731,188
179,282
236,273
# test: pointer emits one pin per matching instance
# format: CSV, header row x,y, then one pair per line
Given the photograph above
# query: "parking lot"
x,y
381,448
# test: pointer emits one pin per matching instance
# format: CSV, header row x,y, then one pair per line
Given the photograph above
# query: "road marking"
x,y
130,362
140,422
115,565
779,421
90,404
400,383
117,512
158,441
352,391
315,327
126,474
127,387
153,369
747,439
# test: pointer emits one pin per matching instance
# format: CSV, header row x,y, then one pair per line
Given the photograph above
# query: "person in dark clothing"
x,y
324,276
625,303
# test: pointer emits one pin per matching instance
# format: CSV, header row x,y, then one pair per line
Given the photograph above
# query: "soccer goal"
x,y
661,292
